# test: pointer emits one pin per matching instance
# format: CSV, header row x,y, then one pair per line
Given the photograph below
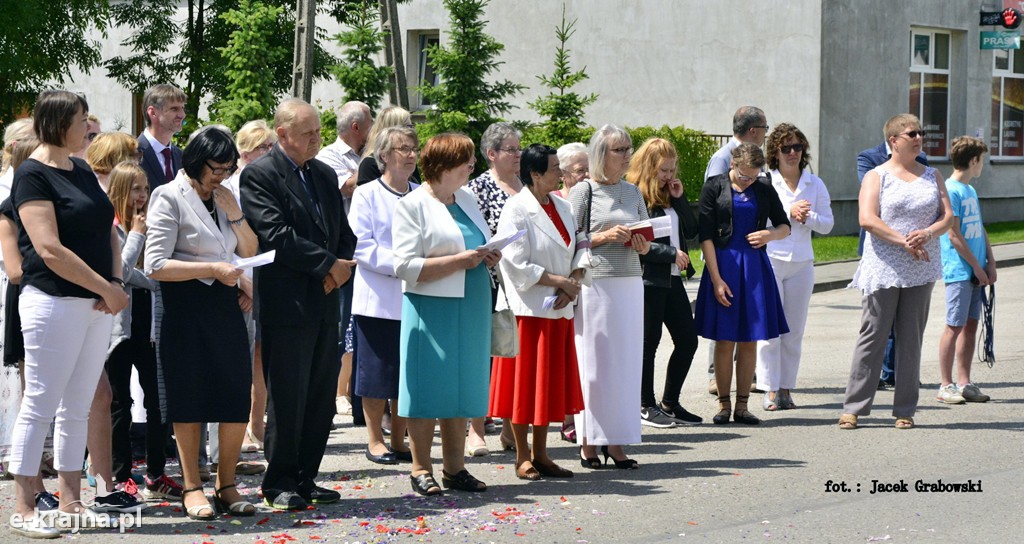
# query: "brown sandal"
x,y
904,423
551,470
848,422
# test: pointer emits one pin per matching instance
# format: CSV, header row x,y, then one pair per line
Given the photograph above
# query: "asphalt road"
x,y
702,484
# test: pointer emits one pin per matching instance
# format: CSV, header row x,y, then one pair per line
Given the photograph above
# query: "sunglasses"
x,y
913,134
92,135
787,149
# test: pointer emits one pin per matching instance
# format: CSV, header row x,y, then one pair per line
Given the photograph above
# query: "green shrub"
x,y
693,147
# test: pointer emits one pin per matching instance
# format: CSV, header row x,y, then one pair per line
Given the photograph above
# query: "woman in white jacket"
x,y
541,280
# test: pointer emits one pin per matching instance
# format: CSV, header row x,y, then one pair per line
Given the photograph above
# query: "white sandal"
x,y
252,444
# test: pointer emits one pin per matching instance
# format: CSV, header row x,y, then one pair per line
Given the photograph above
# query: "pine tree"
x,y
563,109
464,100
358,73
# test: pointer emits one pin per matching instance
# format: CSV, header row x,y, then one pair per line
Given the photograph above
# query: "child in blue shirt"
x,y
967,266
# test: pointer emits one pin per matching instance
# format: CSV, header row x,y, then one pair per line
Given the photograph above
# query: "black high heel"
x,y
623,464
592,463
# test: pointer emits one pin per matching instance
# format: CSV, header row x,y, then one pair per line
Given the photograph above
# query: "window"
x,y
1007,137
929,87
419,42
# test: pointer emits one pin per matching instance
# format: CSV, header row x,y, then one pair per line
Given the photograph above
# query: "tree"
x,y
464,100
563,109
249,93
359,74
41,41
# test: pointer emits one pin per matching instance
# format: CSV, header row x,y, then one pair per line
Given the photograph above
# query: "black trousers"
x,y
301,366
670,307
137,351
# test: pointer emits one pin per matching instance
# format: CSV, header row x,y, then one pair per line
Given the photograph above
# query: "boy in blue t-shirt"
x,y
967,266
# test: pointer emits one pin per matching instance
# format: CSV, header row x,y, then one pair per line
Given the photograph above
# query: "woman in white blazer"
x,y
446,311
807,201
377,292
195,229
541,280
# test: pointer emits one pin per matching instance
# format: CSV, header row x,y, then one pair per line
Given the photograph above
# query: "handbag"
x,y
504,329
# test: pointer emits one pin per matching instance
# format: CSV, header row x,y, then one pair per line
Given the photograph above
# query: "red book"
x,y
643,228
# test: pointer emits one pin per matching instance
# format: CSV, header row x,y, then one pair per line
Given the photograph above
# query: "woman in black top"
x,y
71,287
653,170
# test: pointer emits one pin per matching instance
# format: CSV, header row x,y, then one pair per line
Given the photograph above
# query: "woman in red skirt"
x,y
541,275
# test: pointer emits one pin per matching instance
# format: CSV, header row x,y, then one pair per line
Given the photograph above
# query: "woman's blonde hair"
x,y
15,132
110,149
252,135
391,116
119,190
23,150
895,125
643,170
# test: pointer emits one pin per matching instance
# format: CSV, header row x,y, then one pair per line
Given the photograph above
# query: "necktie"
x,y
168,169
307,184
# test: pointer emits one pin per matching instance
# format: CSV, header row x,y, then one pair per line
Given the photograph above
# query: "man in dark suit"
x,y
868,160
292,202
163,106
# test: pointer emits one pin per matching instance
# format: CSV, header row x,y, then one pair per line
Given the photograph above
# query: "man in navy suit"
x,y
868,160
292,202
163,106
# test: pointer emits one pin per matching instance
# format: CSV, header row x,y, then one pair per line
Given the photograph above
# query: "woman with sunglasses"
x,y
195,229
904,208
810,209
738,302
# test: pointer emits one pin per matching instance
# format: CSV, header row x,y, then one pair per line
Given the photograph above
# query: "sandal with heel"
x,y
592,463
425,485
463,481
194,512
240,508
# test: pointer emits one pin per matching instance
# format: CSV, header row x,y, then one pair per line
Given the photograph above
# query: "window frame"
x,y
996,147
419,40
929,68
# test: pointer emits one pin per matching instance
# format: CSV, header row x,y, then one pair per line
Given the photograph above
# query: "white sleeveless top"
x,y
904,206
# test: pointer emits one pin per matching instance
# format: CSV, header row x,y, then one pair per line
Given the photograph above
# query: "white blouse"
x,y
797,246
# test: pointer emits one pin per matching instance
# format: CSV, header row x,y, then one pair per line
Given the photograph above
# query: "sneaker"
x,y
713,387
343,406
489,426
46,502
950,395
162,488
652,416
122,501
972,393
681,416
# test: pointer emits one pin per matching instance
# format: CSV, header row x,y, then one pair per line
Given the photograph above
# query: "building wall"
x,y
865,80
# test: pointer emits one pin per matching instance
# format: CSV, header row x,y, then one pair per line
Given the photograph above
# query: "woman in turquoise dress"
x,y
446,311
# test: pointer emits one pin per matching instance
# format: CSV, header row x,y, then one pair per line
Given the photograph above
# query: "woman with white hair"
x,y
574,164
610,314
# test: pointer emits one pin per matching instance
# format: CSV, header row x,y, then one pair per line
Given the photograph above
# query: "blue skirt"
x,y
756,312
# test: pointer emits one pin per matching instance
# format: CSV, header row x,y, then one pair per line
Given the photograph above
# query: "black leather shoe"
x,y
284,500
315,494
403,456
386,458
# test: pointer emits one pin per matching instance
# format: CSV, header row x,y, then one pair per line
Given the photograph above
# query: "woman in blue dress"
x,y
738,302
446,311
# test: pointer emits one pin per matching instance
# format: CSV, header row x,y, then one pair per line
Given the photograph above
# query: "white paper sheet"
x,y
499,243
254,261
662,226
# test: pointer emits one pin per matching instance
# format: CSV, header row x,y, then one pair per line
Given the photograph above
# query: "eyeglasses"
x,y
264,147
92,135
761,126
622,150
218,171
795,148
913,134
405,150
745,179
579,171
511,150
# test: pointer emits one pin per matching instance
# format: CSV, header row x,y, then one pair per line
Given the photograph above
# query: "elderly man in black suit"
x,y
292,202
163,106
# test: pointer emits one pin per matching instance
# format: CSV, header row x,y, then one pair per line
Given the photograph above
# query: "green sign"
x,y
1000,40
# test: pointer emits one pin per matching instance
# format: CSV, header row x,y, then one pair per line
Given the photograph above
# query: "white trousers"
x,y
778,359
65,348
